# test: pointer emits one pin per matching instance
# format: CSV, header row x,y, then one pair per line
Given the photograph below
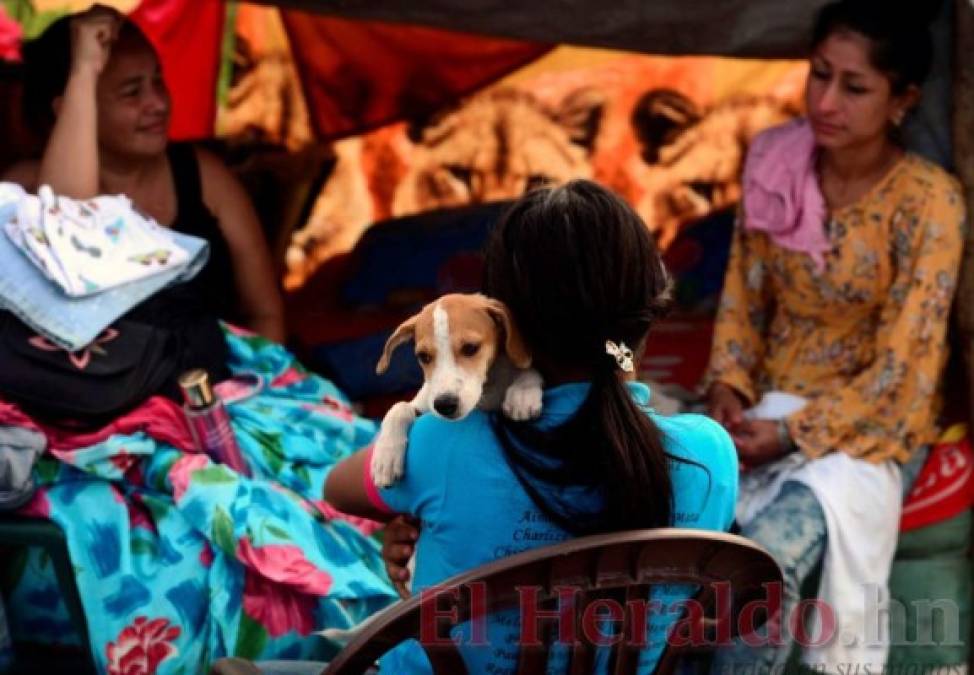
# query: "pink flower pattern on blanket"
x,y
182,470
206,556
284,563
363,525
331,407
141,647
173,531
288,377
279,610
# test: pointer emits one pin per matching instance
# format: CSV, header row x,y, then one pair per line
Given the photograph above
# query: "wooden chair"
x,y
621,566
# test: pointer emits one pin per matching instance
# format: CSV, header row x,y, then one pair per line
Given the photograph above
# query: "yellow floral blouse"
x,y
864,339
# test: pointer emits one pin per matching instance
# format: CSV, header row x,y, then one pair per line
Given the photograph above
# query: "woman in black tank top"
x,y
119,145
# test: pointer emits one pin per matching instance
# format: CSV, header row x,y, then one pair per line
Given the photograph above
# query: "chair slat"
x,y
534,658
626,657
620,566
445,659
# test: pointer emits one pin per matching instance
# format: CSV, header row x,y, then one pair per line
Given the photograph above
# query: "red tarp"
x,y
187,35
356,75
360,75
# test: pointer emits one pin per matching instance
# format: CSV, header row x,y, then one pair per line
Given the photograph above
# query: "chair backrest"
x,y
619,567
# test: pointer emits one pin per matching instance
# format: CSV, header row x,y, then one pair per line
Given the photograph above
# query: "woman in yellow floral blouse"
x,y
830,338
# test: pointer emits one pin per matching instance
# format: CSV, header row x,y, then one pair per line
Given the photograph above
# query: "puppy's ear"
x,y
517,350
404,333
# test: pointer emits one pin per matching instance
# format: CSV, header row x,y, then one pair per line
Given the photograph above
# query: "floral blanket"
x,y
179,560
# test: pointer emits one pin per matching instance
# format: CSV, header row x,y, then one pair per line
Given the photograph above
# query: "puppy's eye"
x,y
425,358
469,349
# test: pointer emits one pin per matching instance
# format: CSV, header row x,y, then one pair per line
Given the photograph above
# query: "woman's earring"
x,y
897,118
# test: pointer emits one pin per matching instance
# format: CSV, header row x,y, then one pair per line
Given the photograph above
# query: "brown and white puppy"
x,y
472,355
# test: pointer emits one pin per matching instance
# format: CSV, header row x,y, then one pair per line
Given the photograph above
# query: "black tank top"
x,y
191,310
215,281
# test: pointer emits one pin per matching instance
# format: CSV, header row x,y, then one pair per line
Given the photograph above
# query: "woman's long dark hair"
x,y
577,266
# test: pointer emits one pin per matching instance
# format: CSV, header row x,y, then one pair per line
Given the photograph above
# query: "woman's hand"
x,y
758,442
725,406
398,545
92,35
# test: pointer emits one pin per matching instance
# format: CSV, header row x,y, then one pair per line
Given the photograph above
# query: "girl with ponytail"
x,y
580,272
584,282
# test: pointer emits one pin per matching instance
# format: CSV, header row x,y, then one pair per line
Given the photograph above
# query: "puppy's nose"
x,y
446,404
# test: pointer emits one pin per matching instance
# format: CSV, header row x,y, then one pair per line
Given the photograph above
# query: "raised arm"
x,y
70,161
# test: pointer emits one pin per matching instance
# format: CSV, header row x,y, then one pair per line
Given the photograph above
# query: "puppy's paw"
x,y
388,461
522,400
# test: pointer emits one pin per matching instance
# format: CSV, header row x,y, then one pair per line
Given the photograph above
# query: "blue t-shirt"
x,y
474,510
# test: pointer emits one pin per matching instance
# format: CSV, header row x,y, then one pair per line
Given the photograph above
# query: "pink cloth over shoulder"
x,y
782,196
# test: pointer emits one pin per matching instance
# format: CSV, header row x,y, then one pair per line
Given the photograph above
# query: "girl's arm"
x,y
345,488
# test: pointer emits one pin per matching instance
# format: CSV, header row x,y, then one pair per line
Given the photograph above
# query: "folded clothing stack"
x,y
88,246
70,268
